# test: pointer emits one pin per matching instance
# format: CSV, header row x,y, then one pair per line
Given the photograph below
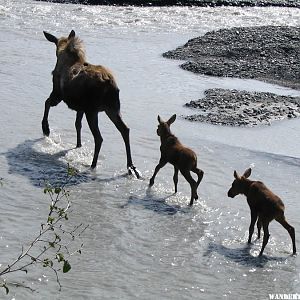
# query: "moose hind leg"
x,y
252,224
265,225
116,118
187,175
199,173
92,119
290,229
78,125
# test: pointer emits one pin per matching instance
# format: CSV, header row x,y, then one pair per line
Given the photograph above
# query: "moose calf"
x,y
264,206
181,157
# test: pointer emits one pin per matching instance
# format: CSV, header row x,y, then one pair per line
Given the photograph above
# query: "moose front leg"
x,y
51,101
78,125
161,164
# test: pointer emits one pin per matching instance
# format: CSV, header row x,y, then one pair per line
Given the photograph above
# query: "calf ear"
x,y
171,120
159,119
71,35
236,175
51,38
247,173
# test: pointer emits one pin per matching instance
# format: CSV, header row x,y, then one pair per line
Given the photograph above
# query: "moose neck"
x,y
165,135
246,184
65,61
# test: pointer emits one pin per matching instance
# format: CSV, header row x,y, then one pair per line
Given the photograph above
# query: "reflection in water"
x,y
158,205
241,255
41,167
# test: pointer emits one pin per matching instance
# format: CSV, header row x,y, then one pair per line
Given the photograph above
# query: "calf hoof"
x,y
78,146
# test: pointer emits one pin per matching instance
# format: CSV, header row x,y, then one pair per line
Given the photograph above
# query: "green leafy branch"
x,y
50,248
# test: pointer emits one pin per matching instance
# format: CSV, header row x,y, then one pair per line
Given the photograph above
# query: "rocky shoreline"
x,y
268,53
241,108
201,3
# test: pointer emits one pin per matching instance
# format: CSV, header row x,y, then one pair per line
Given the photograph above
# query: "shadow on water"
x,y
41,167
241,255
158,205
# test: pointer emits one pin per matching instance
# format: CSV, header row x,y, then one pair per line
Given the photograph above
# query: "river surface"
x,y
141,243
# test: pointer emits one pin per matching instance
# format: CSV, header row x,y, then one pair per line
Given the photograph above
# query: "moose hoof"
x,y
151,182
132,170
46,129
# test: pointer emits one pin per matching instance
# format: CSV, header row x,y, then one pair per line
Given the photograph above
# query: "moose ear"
x,y
159,119
71,35
171,120
51,38
247,173
236,175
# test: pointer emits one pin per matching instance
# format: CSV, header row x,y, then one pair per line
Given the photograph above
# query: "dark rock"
x,y
268,53
228,107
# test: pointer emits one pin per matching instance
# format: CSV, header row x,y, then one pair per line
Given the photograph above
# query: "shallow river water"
x,y
141,243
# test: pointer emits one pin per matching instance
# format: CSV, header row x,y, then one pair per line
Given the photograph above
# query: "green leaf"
x,y
57,190
50,220
60,257
66,267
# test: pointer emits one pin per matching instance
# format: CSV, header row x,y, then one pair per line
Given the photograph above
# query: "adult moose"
x,y
264,205
87,89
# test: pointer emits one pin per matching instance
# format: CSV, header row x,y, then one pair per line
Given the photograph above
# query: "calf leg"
x,y
199,173
115,117
79,116
51,101
290,229
175,178
92,119
187,175
258,227
252,224
160,165
265,225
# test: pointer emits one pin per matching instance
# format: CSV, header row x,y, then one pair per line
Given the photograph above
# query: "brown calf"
x,y
264,205
181,157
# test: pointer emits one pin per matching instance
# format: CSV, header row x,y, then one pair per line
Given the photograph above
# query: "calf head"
x,y
163,128
61,43
239,184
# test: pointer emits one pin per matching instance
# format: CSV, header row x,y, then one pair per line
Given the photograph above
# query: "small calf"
x,y
181,157
264,205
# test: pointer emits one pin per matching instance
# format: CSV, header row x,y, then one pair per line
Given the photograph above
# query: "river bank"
x,y
201,3
266,53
